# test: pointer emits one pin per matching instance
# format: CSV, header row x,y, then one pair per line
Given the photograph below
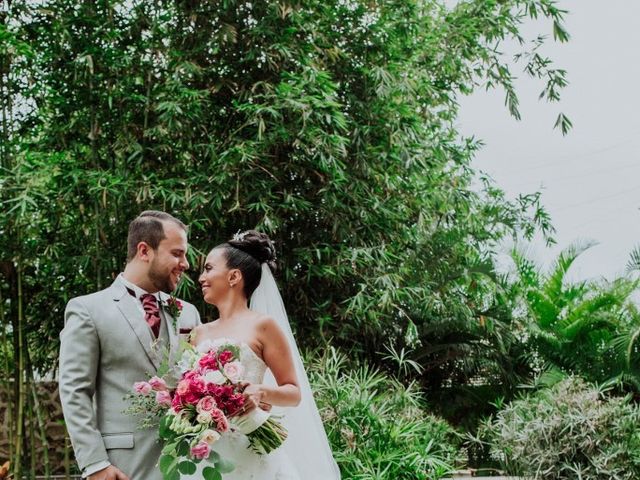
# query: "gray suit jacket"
x,y
105,347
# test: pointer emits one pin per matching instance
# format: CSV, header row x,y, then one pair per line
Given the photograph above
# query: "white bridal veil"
x,y
307,445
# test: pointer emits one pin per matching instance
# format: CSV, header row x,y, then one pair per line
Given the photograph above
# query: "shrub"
x,y
568,431
378,427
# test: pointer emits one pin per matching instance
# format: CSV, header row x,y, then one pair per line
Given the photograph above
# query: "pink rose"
x,y
218,416
158,383
206,404
142,388
183,387
234,371
163,398
201,450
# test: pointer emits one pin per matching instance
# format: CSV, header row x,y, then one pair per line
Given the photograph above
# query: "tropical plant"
x,y
567,432
377,427
584,327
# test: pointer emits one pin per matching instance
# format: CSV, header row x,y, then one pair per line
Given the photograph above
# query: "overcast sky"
x,y
590,179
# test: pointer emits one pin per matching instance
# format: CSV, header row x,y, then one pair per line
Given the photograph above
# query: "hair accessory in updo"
x,y
256,244
239,237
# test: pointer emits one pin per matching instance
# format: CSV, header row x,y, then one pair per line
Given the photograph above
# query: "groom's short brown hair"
x,y
148,227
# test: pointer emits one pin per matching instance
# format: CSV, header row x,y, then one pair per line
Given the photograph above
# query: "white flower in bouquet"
x,y
214,376
187,361
204,418
210,436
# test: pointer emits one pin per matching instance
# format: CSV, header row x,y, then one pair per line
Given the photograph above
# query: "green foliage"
x,y
328,124
377,427
587,328
569,431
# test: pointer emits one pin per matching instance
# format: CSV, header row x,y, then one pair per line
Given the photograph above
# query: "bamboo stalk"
x,y
33,450
19,375
6,379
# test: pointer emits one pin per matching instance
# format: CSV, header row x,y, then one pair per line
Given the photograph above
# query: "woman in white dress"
x,y
234,273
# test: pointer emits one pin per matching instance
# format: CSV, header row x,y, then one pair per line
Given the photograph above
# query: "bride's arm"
x,y
277,356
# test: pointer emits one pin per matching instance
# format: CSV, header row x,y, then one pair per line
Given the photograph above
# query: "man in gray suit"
x,y
115,337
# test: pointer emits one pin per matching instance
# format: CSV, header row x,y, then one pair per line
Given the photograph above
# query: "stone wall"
x,y
56,431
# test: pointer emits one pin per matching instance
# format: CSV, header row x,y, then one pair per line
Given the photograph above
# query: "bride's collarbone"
x,y
214,332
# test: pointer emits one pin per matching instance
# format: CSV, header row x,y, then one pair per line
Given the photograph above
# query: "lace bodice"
x,y
255,367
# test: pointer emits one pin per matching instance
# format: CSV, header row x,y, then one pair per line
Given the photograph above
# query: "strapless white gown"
x,y
234,446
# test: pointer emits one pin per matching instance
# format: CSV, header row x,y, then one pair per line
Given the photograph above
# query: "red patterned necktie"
x,y
151,312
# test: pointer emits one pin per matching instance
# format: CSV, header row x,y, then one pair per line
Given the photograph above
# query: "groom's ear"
x,y
144,251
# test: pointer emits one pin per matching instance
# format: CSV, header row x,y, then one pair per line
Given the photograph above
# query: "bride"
x,y
234,273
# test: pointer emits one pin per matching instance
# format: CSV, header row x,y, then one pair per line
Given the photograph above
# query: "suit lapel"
x,y
129,310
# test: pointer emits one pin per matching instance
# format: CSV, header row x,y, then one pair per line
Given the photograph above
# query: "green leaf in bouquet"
x,y
169,448
162,354
234,349
183,448
214,456
166,463
210,473
225,466
172,475
182,346
164,431
187,467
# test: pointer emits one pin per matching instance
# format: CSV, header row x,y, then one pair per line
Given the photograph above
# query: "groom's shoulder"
x,y
88,299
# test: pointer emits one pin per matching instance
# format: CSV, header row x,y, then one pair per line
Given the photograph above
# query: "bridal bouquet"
x,y
198,401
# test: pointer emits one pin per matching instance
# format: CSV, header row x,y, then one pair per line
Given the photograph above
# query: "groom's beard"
x,y
160,280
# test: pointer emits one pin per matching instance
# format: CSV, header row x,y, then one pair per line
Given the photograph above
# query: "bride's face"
x,y
216,277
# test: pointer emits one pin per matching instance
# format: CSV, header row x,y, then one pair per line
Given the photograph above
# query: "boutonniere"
x,y
173,307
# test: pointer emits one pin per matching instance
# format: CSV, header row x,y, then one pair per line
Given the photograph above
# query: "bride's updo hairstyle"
x,y
247,251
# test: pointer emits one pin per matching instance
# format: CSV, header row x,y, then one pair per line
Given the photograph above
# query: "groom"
x,y
115,337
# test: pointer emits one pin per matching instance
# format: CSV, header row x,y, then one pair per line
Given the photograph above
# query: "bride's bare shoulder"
x,y
266,325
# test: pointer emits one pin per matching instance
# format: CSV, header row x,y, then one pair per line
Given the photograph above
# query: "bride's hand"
x,y
254,395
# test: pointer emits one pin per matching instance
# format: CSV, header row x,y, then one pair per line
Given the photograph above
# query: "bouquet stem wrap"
x,y
251,421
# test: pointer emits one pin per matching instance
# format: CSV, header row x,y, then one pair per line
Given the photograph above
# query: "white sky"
x,y
590,179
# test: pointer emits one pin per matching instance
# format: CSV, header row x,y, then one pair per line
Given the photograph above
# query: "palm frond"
x,y
555,282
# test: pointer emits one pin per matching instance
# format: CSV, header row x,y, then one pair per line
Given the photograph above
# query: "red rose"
x,y
216,390
197,385
191,398
225,357
176,403
208,361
